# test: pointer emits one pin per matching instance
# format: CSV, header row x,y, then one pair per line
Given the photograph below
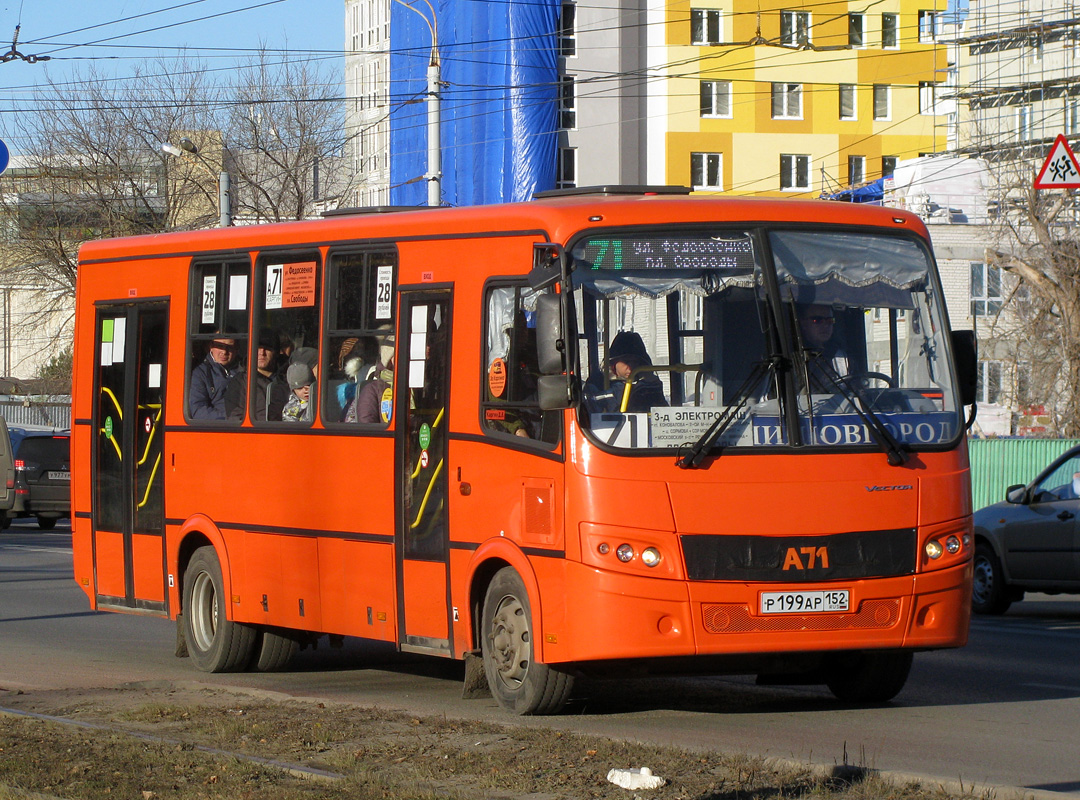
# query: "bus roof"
x,y
553,217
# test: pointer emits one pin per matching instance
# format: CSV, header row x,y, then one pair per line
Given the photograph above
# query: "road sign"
x,y
5,157
1060,170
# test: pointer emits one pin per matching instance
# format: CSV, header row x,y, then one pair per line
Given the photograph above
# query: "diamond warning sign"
x,y
1060,170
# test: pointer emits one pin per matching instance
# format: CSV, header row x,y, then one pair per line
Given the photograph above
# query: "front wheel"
x,y
869,677
518,681
215,643
989,594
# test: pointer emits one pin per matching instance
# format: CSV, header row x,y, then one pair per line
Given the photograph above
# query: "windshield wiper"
x,y
761,370
878,430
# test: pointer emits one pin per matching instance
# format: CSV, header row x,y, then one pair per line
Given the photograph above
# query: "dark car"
x,y
42,475
1030,541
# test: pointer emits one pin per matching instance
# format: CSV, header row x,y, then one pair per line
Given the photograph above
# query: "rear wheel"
x,y
869,677
215,643
989,594
276,649
518,681
46,523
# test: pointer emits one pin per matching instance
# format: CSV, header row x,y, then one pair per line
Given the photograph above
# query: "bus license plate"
x,y
804,602
56,475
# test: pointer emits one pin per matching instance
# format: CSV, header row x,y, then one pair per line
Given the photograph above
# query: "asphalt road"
x,y
1004,711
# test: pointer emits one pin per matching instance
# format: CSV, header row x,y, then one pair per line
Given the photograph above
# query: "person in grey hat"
x,y
298,407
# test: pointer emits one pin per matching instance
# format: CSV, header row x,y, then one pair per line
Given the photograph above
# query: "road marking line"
x,y
1054,686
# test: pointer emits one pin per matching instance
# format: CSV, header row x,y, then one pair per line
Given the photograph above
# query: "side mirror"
x,y
965,351
1015,494
552,392
549,335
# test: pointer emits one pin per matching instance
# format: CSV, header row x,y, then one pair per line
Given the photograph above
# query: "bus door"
x,y
128,473
423,374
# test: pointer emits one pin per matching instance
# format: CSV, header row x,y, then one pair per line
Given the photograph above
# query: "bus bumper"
x,y
609,615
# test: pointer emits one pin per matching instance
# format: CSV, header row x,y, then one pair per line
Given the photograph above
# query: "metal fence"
x,y
997,464
53,413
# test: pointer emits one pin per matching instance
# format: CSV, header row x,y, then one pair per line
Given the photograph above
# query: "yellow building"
x,y
782,99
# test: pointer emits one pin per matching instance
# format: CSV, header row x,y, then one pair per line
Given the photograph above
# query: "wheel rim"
x,y
204,611
983,580
511,642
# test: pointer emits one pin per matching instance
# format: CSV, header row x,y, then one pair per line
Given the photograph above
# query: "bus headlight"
x,y
934,549
625,553
952,544
650,556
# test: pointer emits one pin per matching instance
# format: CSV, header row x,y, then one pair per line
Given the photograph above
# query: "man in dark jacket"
x,y
210,379
626,358
271,390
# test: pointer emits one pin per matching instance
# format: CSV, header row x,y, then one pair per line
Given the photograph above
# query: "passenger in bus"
x,y
627,357
210,380
826,357
374,400
298,407
308,356
271,390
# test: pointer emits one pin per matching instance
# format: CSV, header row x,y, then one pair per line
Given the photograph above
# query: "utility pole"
x,y
433,176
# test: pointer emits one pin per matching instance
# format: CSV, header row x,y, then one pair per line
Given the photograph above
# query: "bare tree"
x,y
1038,329
91,164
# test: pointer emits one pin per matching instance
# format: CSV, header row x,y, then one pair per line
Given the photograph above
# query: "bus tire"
x,y
519,682
989,595
276,648
214,642
875,676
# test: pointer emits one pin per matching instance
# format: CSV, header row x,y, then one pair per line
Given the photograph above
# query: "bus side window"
x,y
360,316
285,359
217,341
509,402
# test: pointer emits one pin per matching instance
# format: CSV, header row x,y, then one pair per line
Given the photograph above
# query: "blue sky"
x,y
71,32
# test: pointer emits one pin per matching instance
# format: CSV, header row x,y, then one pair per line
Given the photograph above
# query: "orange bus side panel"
x,y
148,562
109,562
358,596
83,557
425,612
257,579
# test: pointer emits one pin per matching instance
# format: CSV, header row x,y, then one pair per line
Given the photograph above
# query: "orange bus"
x,y
608,429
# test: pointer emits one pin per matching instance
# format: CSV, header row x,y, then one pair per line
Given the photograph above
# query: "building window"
x,y
856,170
882,101
1072,117
794,28
848,109
985,289
566,169
856,27
794,172
567,103
716,99
928,26
888,165
889,30
989,387
568,30
706,26
1025,125
787,101
707,170
927,100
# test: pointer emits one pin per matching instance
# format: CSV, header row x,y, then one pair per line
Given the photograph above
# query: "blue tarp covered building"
x,y
500,98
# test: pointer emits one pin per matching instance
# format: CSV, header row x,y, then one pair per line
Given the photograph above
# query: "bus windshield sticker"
x,y
153,376
384,293
497,377
298,285
237,292
209,299
273,286
106,342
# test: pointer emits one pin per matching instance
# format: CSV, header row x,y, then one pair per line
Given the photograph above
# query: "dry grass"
x,y
213,745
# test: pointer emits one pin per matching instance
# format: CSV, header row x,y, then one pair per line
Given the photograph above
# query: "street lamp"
x,y
434,172
190,151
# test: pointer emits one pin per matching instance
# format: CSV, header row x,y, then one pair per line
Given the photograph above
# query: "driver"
x,y
626,355
824,352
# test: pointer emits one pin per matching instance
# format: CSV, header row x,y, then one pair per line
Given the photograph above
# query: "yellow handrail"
x,y
149,483
427,494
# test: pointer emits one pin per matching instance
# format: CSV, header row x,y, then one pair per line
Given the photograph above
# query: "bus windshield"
x,y
755,338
